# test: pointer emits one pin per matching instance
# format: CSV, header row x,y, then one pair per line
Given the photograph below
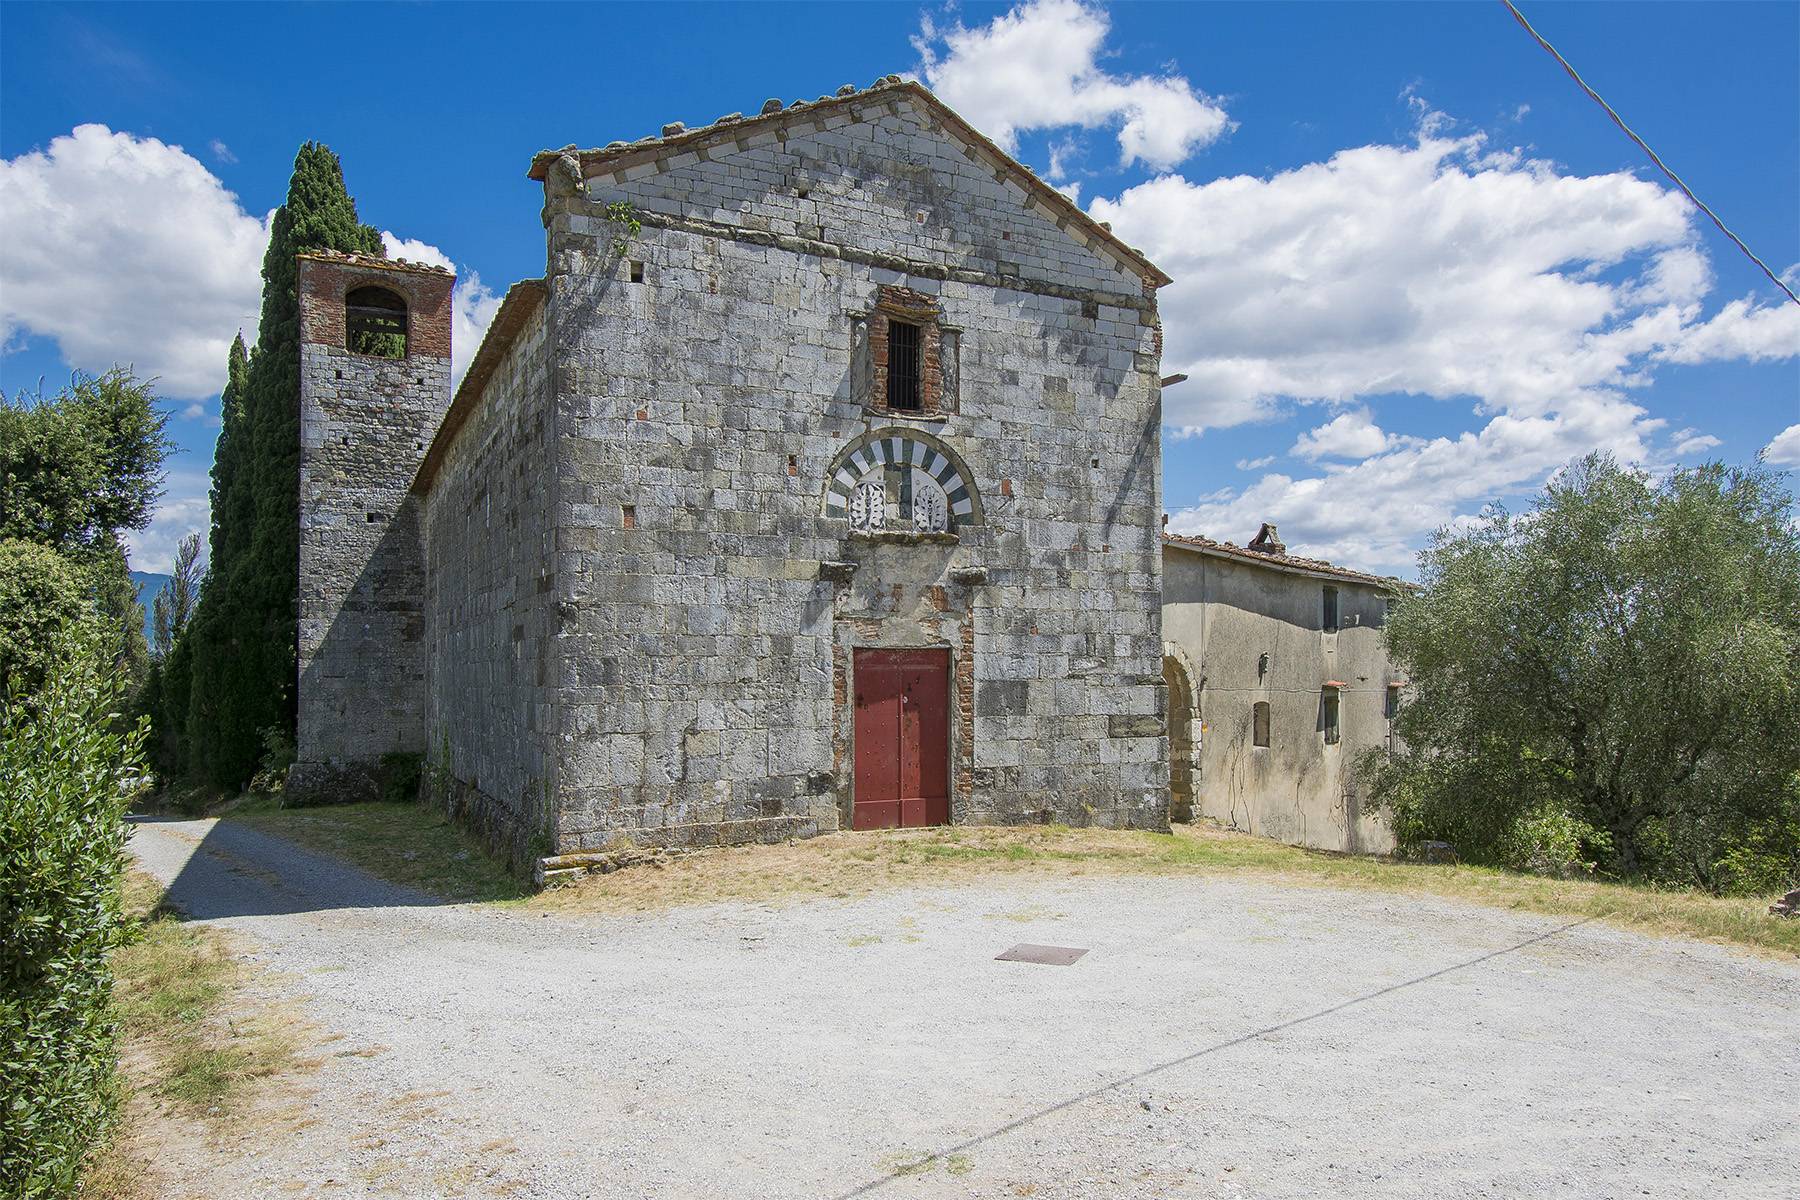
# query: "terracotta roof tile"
x,y
1281,562
365,260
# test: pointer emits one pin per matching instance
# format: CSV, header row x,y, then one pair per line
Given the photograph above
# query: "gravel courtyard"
x,y
1221,1037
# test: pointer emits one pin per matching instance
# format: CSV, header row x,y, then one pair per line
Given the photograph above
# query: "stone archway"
x,y
1184,739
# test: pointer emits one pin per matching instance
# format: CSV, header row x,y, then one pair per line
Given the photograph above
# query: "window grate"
x,y
903,366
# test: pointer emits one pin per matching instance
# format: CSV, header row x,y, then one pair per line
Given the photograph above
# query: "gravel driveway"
x,y
1221,1037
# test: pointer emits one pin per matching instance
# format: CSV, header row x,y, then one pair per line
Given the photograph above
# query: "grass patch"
x,y
847,864
185,1037
403,842
418,846
174,996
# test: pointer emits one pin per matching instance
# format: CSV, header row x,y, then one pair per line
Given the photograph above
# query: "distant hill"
x,y
148,585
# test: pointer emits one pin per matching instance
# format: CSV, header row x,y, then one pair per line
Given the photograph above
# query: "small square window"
x,y
1331,717
1331,610
903,375
1259,723
637,272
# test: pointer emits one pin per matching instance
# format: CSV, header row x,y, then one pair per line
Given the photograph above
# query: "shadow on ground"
x,y
215,870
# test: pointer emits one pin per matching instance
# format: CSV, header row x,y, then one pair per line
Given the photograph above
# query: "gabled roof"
x,y
676,138
1281,562
364,260
521,300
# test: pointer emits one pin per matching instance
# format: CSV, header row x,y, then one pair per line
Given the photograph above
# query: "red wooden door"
x,y
902,738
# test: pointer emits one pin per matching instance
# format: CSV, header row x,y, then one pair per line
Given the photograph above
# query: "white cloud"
x,y
1442,268
1348,435
1433,268
1371,514
128,250
1255,464
1035,67
1688,442
185,508
1784,449
472,303
413,250
221,151
1742,329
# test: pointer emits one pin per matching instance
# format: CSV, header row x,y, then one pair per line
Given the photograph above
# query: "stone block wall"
x,y
364,424
884,176
490,551
709,604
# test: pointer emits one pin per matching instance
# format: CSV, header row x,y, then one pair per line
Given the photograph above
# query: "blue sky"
x,y
1415,267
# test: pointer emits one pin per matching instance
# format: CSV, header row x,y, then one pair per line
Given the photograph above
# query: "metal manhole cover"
x,y
1049,956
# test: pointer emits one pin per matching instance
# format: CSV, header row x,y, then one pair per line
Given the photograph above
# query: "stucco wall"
x,y
490,616
1226,615
706,629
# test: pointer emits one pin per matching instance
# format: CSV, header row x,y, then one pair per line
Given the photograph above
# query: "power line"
x,y
1645,147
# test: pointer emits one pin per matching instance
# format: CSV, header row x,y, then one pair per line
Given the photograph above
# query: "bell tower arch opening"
x,y
375,322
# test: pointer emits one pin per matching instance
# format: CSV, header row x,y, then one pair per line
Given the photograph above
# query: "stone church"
x,y
814,486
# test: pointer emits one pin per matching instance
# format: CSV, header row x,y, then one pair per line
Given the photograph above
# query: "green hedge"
x,y
40,593
67,770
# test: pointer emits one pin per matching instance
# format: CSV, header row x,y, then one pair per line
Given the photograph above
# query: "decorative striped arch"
x,y
917,453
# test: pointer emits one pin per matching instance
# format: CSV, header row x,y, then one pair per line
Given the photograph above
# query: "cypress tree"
x,y
211,645
244,664
196,728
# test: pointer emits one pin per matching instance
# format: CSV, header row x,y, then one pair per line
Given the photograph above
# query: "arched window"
x,y
375,323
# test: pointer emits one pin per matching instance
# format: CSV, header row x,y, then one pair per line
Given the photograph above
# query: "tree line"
x,y
89,710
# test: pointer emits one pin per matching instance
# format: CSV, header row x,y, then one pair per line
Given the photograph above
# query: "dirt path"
x,y
1221,1038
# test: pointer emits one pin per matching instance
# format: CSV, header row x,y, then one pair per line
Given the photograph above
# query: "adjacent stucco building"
x,y
1278,679
815,485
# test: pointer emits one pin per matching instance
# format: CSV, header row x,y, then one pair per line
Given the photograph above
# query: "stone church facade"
x,y
815,486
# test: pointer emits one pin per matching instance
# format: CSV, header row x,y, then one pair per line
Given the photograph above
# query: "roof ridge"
x,y
520,301
366,260
1292,562
676,136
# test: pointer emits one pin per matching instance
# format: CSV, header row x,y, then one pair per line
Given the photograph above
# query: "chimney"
x,y
1267,541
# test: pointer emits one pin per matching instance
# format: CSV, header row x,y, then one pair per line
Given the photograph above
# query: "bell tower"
x,y
374,385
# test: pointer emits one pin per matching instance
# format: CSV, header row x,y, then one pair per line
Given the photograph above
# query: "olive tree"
x,y
1610,678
